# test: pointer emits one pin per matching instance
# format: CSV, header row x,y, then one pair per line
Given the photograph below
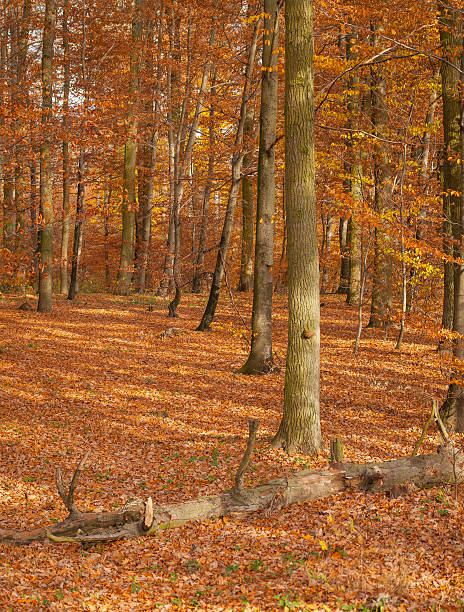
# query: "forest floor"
x,y
167,418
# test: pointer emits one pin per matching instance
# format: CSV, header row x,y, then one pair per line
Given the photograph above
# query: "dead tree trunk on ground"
x,y
138,518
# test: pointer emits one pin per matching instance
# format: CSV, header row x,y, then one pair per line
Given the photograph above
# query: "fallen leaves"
x,y
167,418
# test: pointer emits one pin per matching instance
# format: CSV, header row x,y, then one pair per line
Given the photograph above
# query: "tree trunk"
x,y
237,160
328,223
198,272
138,518
46,177
106,229
382,300
246,264
451,43
78,228
452,410
129,203
261,359
345,257
300,429
65,224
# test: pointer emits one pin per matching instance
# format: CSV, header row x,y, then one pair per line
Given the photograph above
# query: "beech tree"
x,y
260,359
300,428
46,178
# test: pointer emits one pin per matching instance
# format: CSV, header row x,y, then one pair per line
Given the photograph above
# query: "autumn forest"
x,y
231,305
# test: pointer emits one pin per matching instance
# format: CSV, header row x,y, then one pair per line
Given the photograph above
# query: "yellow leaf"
x,y
324,545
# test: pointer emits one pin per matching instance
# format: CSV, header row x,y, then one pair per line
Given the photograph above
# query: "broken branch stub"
x,y
68,496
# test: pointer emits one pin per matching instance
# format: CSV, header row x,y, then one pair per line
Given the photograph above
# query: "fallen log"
x,y
138,518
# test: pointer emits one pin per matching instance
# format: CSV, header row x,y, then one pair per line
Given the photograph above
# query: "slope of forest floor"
x,y
167,418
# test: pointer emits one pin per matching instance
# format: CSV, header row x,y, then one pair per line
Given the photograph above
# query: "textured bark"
x,y
246,264
451,43
138,518
46,178
65,223
106,229
20,104
148,152
261,359
129,203
300,428
354,176
452,411
382,300
237,160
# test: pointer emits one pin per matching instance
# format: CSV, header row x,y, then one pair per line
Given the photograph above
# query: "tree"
x,y
300,428
451,35
261,359
129,202
46,179
382,300
237,161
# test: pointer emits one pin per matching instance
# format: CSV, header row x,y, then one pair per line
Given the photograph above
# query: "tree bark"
x,y
78,228
65,224
237,160
261,359
138,518
129,203
452,411
300,428
382,299
451,43
344,256
46,177
246,264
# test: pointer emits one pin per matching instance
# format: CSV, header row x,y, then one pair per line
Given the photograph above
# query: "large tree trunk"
x,y
237,160
138,518
300,428
129,203
46,177
261,359
451,43
452,410
66,165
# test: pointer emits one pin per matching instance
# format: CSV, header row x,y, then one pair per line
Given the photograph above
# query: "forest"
x,y
232,305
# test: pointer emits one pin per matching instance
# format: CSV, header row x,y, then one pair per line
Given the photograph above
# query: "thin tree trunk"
x,y
382,300
246,264
78,228
326,251
129,202
46,177
237,160
198,273
106,229
261,359
344,256
149,153
300,428
65,224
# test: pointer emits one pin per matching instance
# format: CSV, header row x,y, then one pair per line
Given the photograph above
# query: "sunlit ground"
x,y
168,418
